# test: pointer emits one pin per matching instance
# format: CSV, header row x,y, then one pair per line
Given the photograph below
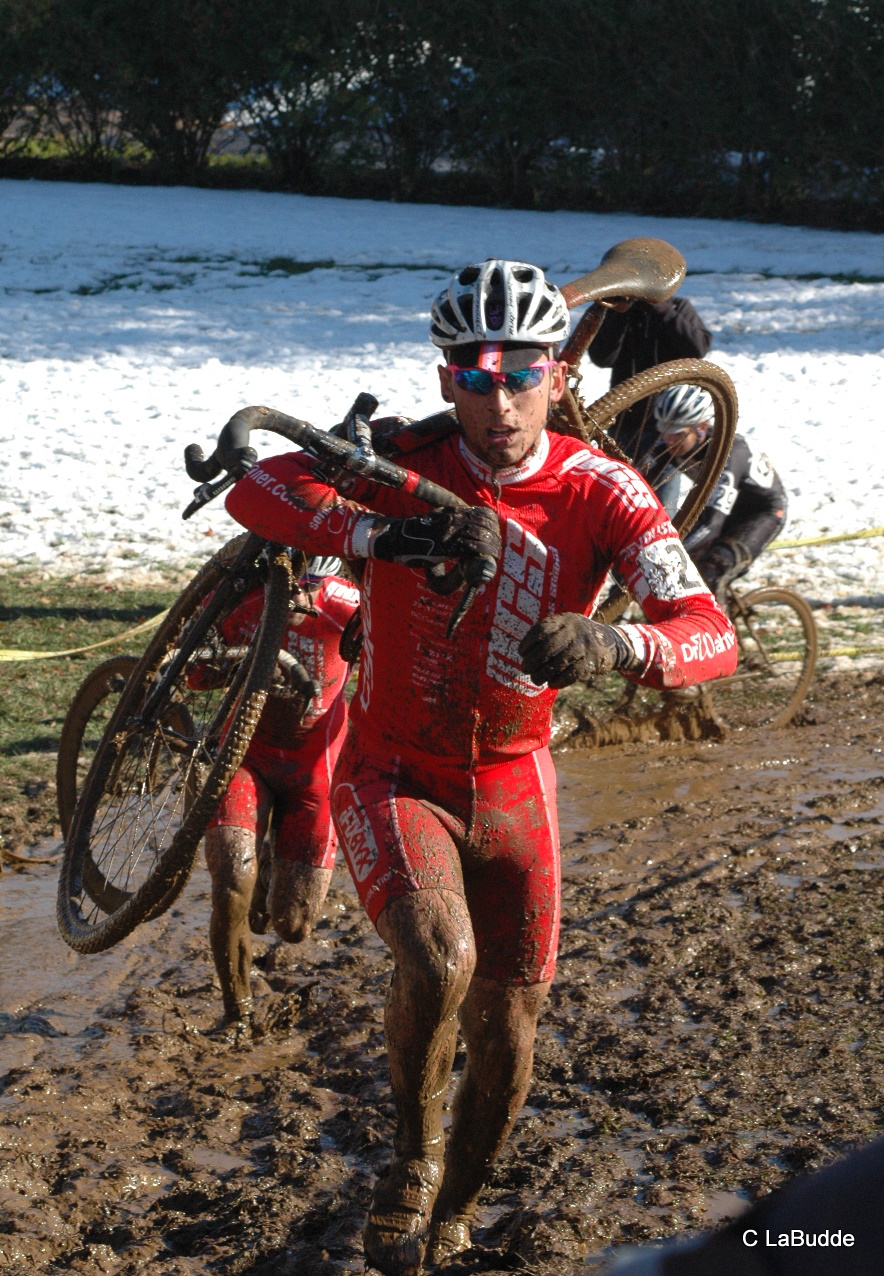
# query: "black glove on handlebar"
x,y
569,648
445,534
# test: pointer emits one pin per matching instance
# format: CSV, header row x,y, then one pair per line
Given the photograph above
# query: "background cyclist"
x,y
282,787
748,506
641,337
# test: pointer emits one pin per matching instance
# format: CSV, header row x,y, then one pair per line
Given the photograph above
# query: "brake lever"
x,y
477,572
208,491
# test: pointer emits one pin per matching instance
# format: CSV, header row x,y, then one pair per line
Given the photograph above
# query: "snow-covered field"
x,y
135,321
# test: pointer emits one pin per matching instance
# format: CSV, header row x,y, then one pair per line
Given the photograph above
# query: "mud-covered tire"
x,y
602,415
86,718
777,642
152,789
604,412
85,722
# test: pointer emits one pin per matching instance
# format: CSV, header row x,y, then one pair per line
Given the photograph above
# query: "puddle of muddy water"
x,y
41,977
723,1206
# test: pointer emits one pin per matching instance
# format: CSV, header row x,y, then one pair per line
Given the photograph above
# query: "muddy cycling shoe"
x,y
448,1239
395,1235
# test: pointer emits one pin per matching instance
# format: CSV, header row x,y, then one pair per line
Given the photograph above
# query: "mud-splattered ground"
x,y
713,1031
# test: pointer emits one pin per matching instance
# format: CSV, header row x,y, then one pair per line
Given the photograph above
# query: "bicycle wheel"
x,y
694,478
82,732
178,734
777,641
83,728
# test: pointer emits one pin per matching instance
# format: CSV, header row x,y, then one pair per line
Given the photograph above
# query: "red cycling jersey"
x,y
290,761
444,782
311,639
568,513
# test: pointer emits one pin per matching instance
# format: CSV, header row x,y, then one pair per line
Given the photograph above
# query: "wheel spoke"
x,y
174,736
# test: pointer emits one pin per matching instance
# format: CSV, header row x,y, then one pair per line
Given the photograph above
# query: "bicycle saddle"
x,y
640,269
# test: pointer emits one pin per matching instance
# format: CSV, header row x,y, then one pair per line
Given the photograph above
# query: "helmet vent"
x,y
499,300
447,313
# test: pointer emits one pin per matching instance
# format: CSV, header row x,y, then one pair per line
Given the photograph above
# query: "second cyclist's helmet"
x,y
497,300
681,407
317,568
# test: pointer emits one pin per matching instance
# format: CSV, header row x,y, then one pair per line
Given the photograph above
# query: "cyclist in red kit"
x,y
444,793
282,785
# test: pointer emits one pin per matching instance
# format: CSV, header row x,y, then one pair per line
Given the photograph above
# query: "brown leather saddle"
x,y
641,269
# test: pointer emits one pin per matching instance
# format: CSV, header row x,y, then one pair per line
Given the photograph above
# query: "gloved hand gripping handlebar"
x,y
234,455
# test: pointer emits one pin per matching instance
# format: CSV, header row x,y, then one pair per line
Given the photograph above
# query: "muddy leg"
x,y
431,939
233,865
499,1022
296,895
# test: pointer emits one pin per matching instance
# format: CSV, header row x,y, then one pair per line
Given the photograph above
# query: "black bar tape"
x,y
198,468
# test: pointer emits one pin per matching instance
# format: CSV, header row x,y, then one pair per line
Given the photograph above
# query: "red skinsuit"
x,y
445,714
289,764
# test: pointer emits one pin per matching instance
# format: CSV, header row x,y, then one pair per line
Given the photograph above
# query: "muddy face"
x,y
714,1029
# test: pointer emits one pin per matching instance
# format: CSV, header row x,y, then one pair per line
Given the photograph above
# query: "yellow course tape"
x,y
828,540
851,651
8,654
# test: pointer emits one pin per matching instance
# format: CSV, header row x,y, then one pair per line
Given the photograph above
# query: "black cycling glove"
x,y
435,538
570,648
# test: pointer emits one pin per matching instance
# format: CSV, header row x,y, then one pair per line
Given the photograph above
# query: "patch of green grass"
x,y
53,615
248,160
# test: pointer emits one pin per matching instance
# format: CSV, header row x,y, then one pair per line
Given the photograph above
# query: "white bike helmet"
x,y
318,567
682,407
499,301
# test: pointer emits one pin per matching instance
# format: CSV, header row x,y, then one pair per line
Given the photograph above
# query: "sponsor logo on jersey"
x,y
519,604
632,490
340,589
336,520
271,483
761,472
366,656
706,646
357,835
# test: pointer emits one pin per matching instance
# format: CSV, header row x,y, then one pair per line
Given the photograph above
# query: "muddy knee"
x,y
431,936
297,893
233,866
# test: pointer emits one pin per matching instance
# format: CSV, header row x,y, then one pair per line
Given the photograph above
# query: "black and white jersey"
x,y
749,490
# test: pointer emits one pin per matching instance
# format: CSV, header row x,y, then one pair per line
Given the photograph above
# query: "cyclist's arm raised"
x,y
284,500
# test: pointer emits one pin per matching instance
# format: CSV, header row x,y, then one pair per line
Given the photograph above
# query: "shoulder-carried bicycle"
x,y
173,740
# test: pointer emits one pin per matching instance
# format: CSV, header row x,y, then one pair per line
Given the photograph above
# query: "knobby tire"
x,y
105,680
168,875
601,415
